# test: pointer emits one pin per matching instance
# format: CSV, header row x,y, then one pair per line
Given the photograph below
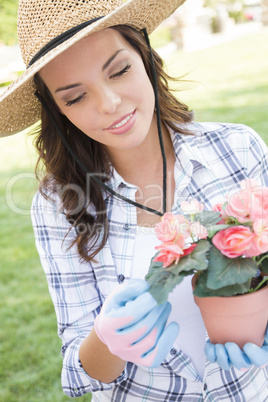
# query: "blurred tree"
x,y
8,21
234,8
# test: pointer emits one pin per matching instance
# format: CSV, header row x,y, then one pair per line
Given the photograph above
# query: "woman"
x,y
109,126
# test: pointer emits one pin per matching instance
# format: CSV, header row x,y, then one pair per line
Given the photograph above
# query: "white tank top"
x,y
191,338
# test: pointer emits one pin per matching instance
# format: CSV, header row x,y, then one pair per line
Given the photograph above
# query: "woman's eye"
x,y
76,100
121,72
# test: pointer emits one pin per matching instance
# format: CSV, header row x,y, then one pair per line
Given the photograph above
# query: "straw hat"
x,y
41,21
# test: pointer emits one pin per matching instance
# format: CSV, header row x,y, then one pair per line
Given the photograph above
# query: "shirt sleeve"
x,y
74,292
255,154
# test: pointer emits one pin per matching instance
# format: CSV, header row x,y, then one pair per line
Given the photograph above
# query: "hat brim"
x,y
19,108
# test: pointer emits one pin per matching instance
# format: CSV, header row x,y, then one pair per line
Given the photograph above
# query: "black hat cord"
x,y
94,178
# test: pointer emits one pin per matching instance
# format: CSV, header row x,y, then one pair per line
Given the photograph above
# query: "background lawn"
x,y
227,83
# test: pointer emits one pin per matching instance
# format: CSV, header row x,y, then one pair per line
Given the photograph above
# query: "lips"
x,y
124,124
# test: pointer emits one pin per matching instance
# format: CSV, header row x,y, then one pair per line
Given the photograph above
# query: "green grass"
x,y
227,83
232,87
29,347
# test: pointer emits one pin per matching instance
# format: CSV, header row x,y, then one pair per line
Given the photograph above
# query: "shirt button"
x,y
205,387
127,226
121,278
173,351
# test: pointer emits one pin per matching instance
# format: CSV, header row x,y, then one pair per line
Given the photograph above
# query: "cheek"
x,y
145,92
81,117
149,91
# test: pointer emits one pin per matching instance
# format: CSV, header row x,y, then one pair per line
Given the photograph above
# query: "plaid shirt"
x,y
208,165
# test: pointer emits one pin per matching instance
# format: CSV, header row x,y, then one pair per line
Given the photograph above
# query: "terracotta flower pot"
x,y
239,319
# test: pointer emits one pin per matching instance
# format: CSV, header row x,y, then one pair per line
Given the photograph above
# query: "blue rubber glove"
x,y
230,355
133,325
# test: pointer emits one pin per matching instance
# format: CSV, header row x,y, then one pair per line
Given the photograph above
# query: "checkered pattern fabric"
x,y
208,165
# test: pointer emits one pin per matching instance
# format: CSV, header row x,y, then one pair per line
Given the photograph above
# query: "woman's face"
x,y
100,84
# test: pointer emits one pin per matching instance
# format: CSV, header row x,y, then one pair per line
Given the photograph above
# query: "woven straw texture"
x,y
40,21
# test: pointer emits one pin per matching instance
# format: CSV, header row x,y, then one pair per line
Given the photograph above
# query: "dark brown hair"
x,y
85,210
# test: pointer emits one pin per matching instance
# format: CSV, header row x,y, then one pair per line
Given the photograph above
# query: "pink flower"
x,y
198,230
250,203
189,249
249,184
224,216
170,226
217,207
239,206
259,208
172,252
259,244
234,241
260,225
193,207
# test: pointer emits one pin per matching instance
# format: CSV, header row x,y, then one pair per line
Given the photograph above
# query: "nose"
x,y
107,100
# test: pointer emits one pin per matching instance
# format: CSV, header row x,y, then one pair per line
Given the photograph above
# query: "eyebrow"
x,y
106,65
108,62
67,87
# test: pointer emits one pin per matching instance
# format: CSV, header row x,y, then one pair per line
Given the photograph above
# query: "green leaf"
x,y
163,280
213,229
155,264
223,271
200,254
157,277
195,261
155,269
207,218
160,291
264,262
162,284
202,289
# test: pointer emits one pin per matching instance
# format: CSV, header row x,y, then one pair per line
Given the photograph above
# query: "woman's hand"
x,y
230,355
132,325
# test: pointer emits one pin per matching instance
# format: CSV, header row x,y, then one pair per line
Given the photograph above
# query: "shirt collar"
x,y
186,150
186,146
116,183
